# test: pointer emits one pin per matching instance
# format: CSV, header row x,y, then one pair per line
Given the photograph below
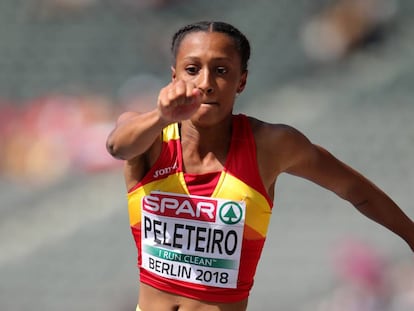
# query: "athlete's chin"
x,y
206,110
204,118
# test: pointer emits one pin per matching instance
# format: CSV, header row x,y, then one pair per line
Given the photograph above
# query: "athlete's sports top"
x,y
201,236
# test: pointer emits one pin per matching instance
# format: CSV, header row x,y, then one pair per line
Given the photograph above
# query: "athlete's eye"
x,y
221,70
191,70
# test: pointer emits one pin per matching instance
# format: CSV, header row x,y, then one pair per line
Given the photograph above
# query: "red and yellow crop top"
x,y
204,244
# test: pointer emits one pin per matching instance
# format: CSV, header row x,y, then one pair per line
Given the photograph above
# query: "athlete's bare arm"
x,y
135,132
282,149
136,137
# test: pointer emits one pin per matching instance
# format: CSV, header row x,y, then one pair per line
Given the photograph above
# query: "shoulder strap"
x,y
242,158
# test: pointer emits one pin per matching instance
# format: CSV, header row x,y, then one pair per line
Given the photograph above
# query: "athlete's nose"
x,y
207,90
205,82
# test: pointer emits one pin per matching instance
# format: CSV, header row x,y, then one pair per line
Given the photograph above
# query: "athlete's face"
x,y
211,62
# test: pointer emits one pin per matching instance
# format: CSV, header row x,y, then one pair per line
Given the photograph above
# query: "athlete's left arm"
x,y
318,165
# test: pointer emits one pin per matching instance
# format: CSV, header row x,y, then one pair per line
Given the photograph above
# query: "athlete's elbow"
x,y
114,149
110,147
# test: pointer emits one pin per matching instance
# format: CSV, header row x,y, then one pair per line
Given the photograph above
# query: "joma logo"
x,y
164,171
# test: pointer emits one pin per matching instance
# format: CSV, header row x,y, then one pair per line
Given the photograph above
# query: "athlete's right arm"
x,y
135,132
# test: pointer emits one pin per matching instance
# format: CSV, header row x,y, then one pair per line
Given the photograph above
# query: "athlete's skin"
x,y
206,78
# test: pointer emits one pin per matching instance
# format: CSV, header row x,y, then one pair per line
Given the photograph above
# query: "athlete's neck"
x,y
206,139
205,148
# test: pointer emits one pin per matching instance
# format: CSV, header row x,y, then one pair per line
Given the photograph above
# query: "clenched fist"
x,y
178,101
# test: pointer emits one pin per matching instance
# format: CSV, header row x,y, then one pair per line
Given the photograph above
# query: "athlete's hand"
x,y
178,101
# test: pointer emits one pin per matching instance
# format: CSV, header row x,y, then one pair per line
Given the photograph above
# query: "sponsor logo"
x,y
166,170
186,207
231,213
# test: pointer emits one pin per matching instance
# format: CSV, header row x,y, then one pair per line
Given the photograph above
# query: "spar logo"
x,y
231,213
180,206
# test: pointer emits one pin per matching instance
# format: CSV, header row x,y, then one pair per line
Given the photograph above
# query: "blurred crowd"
x,y
367,280
346,25
49,9
46,138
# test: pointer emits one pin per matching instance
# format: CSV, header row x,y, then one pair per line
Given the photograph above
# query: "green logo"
x,y
231,213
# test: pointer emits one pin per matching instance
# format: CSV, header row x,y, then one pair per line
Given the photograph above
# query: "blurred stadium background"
x,y
339,71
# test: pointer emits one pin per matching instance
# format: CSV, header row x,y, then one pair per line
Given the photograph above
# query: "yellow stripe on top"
x,y
170,184
258,212
171,132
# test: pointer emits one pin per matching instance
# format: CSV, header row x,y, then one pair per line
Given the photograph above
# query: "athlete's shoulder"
x,y
277,132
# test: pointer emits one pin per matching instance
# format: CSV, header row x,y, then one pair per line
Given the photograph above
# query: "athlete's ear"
x,y
173,74
242,83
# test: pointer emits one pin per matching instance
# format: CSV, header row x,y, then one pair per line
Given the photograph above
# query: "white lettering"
x,y
151,203
206,207
185,208
194,209
169,203
166,170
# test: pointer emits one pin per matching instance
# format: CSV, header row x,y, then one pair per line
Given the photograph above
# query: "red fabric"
x,y
241,163
203,184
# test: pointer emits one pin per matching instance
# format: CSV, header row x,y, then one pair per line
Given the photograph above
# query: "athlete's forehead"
x,y
215,45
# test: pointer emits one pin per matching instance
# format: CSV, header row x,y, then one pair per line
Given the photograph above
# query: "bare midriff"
x,y
152,299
